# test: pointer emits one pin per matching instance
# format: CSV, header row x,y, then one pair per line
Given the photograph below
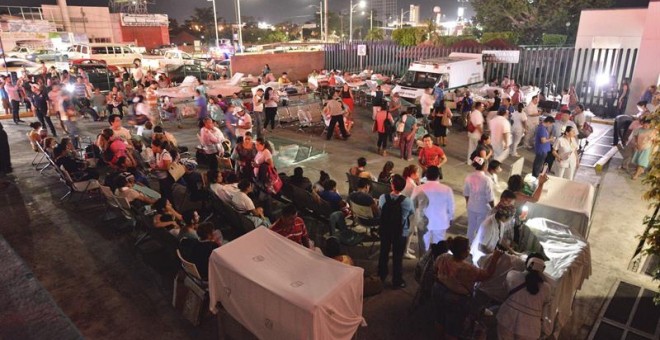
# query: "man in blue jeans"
x,y
542,144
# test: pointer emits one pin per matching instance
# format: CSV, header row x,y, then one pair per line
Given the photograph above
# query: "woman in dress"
x,y
244,154
452,291
521,316
565,151
443,113
644,138
622,99
411,175
262,160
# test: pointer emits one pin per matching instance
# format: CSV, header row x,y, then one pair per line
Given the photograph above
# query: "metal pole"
x,y
371,20
350,22
240,25
325,18
2,47
401,21
321,19
215,19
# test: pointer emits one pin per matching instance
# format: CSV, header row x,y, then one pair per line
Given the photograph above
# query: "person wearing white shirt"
x,y
565,152
118,130
532,112
500,135
224,191
579,117
426,101
244,123
518,129
211,139
494,230
434,208
477,121
411,175
479,196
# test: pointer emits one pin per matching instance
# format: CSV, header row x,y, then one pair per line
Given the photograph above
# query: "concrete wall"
x,y
297,64
647,68
97,23
149,37
611,28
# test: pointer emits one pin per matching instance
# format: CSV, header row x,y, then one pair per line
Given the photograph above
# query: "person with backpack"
x,y
521,316
383,123
394,228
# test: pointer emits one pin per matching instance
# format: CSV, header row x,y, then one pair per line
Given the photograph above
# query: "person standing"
x,y
500,135
335,110
532,112
347,98
382,124
522,314
201,106
258,110
243,123
565,151
5,154
270,107
518,128
378,102
14,98
479,196
407,138
516,97
211,139
542,145
394,228
431,155
427,102
475,128
40,101
434,204
644,138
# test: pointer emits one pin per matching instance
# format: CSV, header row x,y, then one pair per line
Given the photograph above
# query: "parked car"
x,y
160,50
177,73
75,62
171,57
19,52
113,54
46,55
16,66
99,75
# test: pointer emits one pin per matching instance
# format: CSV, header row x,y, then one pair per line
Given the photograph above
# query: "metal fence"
x,y
596,73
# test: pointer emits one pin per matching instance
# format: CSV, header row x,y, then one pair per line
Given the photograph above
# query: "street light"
x,y
240,25
402,14
215,19
361,4
320,17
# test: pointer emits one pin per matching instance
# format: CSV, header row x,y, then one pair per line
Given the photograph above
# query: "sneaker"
x,y
408,256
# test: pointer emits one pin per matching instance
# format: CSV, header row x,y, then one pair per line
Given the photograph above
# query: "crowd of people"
x,y
143,167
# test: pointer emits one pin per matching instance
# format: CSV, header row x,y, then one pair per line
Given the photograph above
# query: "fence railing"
x,y
596,73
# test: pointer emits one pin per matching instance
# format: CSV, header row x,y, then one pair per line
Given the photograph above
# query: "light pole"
x,y
240,25
215,19
325,20
362,3
402,14
320,17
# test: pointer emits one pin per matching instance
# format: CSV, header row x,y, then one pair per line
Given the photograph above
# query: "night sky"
x,y
274,11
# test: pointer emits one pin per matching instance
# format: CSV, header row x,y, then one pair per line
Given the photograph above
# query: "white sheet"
x,y
280,290
569,264
567,202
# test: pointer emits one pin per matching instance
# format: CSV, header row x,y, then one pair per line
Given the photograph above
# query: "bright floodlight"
x,y
362,4
602,79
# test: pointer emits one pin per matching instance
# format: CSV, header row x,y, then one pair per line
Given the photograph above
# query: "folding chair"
x,y
193,280
364,216
45,159
110,202
81,187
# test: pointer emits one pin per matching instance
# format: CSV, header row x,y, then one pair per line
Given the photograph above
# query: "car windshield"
x,y
419,79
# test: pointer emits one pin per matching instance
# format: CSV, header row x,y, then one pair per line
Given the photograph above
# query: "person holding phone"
x,y
542,145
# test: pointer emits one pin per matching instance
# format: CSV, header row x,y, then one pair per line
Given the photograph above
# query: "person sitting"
x,y
34,136
318,186
118,130
224,188
385,176
244,204
190,225
103,139
493,231
291,226
333,250
284,79
362,197
337,204
166,217
299,180
360,170
64,157
455,280
124,189
199,250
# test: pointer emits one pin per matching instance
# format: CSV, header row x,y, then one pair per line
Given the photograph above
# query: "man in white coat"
x,y
500,135
475,128
434,209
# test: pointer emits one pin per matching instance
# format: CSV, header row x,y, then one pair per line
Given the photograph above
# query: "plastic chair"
x,y
81,187
364,216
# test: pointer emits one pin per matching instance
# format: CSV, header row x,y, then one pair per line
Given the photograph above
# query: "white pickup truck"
x,y
170,57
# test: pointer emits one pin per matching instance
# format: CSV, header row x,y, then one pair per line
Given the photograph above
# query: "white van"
x,y
113,54
456,70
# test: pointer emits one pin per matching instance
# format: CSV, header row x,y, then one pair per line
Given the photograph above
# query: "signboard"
x,y
37,26
144,19
309,26
501,57
362,50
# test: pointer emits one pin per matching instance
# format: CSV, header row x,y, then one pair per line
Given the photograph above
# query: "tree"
x,y
651,236
532,18
375,34
408,36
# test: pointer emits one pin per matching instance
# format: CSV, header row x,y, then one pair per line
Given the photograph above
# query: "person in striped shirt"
x,y
291,226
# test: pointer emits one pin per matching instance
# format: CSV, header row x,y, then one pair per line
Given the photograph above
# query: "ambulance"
x,y
456,70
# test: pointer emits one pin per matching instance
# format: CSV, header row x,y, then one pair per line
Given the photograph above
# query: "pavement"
x,y
109,290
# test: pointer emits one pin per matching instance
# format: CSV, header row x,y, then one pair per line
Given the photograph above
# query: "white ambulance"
x,y
456,70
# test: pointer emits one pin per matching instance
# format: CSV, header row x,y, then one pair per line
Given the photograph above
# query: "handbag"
x,y
446,121
401,124
224,163
275,183
177,170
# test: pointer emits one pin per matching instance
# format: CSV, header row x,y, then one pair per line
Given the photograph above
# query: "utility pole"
x,y
371,20
215,20
240,26
325,18
321,19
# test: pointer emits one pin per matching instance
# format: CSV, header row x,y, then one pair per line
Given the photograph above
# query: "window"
x,y
99,50
101,40
84,49
117,49
126,50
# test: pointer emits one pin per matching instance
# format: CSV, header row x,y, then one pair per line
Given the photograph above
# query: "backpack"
x,y
391,221
586,131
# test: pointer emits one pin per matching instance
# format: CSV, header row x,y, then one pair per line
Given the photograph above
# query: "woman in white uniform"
x,y
565,152
522,315
479,196
494,230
